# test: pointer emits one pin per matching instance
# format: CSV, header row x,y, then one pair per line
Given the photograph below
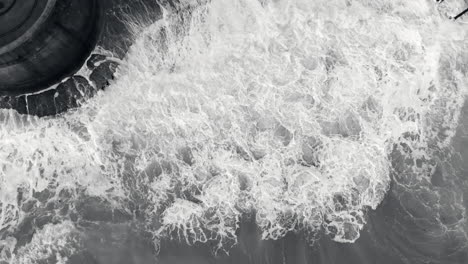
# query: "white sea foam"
x,y
52,244
284,108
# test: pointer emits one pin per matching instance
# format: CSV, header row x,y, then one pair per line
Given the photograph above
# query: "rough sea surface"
x,y
255,131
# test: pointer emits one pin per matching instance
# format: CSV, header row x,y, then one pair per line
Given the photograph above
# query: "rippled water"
x,y
300,115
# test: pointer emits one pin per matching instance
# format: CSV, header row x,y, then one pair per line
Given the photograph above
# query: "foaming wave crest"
x,y
285,109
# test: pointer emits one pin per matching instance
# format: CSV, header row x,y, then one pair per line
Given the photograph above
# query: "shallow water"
x,y
254,131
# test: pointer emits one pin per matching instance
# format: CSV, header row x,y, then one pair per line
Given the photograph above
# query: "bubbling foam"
x,y
54,243
285,109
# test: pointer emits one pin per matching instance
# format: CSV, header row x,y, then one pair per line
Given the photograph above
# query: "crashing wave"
x,y
285,109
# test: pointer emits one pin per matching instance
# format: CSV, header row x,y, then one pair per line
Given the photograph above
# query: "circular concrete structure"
x,y
60,53
44,41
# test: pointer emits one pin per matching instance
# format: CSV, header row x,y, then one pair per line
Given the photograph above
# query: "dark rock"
x,y
94,60
103,74
69,94
14,102
73,92
42,104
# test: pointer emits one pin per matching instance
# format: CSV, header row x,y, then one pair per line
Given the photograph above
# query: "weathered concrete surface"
x,y
45,42
115,37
